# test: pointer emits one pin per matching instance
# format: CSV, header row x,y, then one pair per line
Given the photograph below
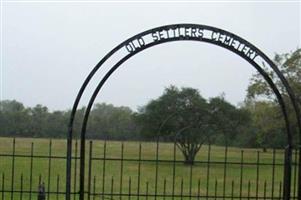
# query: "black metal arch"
x,y
137,44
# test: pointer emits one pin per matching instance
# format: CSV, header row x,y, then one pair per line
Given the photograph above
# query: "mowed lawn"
x,y
240,176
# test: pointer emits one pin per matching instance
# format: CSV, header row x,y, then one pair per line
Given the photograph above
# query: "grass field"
x,y
247,180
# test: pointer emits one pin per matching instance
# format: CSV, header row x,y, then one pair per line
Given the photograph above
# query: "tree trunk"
x,y
189,157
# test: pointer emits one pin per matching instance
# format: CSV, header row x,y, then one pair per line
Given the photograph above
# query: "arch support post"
x,y
299,173
68,165
287,173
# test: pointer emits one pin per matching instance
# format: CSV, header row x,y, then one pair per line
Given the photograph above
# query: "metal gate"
x,y
140,176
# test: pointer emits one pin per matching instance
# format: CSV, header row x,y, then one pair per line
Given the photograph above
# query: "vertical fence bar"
x,y
181,192
257,173
232,189
215,190
69,156
30,170
41,189
112,187
49,168
94,187
146,193
13,170
295,172
3,178
139,171
156,173
208,170
57,187
75,169
265,190
164,188
130,188
104,169
40,179
174,171
90,168
280,191
190,182
21,187
273,173
225,170
241,173
249,189
199,189
121,171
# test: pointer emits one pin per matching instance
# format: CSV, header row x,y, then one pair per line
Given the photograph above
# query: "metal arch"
x,y
287,176
272,85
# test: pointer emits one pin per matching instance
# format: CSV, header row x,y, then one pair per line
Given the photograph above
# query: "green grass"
x,y
112,177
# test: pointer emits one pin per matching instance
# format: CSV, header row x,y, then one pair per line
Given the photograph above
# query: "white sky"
x,y
49,48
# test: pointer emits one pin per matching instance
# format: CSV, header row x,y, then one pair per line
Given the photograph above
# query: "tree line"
x,y
178,111
106,121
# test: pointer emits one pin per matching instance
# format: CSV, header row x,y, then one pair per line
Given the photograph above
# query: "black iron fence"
x,y
141,170
29,170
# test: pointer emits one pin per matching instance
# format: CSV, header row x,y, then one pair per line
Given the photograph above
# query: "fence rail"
x,y
142,171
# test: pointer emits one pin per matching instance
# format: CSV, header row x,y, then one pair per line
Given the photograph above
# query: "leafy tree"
x,y
267,123
106,121
181,115
56,124
110,122
14,119
290,65
259,90
39,120
229,121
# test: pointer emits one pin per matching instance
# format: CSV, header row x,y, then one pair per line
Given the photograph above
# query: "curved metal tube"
x,y
254,64
111,71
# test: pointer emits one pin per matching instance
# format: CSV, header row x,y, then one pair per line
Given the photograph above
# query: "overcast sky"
x,y
49,48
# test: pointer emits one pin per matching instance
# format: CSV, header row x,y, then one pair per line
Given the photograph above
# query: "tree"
x,y
56,124
106,121
259,91
290,65
228,120
268,124
111,122
39,120
181,115
14,119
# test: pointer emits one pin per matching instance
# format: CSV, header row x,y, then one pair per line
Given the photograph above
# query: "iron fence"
x,y
208,34
142,170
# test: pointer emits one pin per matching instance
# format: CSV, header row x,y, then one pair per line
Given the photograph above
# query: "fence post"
x,y
287,173
42,194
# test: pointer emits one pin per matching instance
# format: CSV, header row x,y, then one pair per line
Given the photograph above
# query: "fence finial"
x,y
42,195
